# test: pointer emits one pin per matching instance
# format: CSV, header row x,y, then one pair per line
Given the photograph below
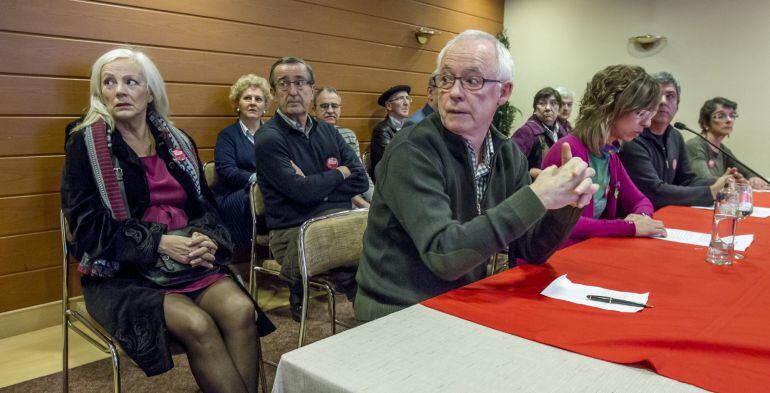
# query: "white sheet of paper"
x,y
742,242
564,289
759,212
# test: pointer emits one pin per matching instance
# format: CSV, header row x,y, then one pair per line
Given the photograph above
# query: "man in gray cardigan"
x,y
454,191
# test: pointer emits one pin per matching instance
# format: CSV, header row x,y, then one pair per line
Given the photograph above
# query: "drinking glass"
x,y
722,245
745,206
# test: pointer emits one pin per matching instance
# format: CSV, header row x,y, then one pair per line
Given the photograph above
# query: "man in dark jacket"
x,y
657,160
304,169
397,101
453,191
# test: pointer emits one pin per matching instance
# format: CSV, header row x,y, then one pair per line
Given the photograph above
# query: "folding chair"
x,y
103,341
366,159
210,173
266,266
324,243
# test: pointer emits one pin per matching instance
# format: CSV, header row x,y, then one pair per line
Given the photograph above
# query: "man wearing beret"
x,y
397,101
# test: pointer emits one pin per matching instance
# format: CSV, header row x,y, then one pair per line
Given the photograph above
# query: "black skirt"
x,y
130,308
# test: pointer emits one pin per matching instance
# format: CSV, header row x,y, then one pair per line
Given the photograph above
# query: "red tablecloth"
x,y
710,326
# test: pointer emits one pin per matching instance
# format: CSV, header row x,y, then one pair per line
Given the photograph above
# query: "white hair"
x,y
565,92
505,66
97,110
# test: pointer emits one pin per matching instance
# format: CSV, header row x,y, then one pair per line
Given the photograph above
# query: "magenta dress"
x,y
167,199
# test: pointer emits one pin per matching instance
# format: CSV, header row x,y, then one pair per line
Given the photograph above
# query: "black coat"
x,y
660,169
128,306
382,134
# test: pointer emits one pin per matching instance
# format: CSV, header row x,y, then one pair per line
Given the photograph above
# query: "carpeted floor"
x,y
97,376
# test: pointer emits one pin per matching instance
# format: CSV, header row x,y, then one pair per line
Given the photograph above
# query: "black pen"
x,y
612,300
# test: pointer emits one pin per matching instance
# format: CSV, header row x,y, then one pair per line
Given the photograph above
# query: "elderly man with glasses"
x,y
397,102
454,191
304,169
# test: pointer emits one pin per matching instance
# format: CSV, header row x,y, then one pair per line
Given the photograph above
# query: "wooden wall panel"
x,y
487,9
30,175
417,13
52,56
147,27
36,287
303,16
201,47
30,252
29,213
31,135
23,98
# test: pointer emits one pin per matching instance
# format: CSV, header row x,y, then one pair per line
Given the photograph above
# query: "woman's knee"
x,y
194,328
237,314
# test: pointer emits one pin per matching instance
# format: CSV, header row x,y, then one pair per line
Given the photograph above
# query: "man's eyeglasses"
x,y
284,84
721,116
402,99
470,83
327,105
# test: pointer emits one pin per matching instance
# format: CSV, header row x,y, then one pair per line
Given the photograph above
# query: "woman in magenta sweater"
x,y
617,105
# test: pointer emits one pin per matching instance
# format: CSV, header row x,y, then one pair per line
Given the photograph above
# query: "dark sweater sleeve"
x,y
274,167
446,246
636,160
358,181
226,160
94,230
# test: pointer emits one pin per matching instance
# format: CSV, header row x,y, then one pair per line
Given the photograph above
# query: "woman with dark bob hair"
x,y
235,157
717,117
617,105
542,129
163,214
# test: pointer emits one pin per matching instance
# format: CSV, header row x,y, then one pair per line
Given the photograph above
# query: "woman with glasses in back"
x,y
618,104
717,117
235,157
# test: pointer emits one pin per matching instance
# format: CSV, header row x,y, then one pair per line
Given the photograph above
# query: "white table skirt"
x,y
423,350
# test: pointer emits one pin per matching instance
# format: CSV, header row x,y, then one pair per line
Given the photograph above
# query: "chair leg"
x,y
65,354
332,307
261,363
303,319
253,282
115,368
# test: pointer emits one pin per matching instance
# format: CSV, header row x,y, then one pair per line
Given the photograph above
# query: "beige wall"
x,y
714,48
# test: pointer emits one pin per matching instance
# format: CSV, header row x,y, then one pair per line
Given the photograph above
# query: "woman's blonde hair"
x,y
97,110
612,93
245,82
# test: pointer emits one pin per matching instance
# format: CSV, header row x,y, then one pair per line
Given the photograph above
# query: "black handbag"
x,y
166,272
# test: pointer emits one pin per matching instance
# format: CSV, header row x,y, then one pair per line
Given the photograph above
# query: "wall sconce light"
x,y
648,42
423,34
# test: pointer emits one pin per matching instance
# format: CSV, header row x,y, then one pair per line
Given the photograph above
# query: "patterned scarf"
x,y
179,147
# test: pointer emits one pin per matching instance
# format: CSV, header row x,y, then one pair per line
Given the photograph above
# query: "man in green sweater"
x,y
452,191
